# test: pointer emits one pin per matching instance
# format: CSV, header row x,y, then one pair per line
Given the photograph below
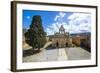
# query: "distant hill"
x,y
81,34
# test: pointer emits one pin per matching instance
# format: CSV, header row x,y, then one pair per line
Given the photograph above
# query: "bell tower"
x,y
61,30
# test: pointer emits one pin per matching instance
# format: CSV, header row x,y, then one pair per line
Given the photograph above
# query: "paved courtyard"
x,y
59,54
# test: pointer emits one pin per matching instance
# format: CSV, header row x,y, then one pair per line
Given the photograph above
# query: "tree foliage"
x,y
35,36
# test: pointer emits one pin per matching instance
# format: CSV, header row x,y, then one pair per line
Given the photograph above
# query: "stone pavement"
x,y
77,53
59,54
44,55
62,54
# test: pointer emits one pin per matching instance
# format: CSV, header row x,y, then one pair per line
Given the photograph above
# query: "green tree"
x,y
35,36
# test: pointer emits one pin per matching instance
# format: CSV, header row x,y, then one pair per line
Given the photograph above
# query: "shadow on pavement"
x,y
87,49
30,52
50,47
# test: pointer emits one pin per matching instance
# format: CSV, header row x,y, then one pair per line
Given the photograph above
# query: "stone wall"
x,y
62,41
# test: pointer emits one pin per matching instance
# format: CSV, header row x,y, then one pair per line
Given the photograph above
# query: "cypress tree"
x,y
35,36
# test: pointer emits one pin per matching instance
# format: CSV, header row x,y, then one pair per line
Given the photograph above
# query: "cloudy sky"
x,y
73,22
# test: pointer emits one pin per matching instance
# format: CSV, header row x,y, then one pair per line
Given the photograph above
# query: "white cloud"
x,y
49,31
54,27
80,22
56,18
60,16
